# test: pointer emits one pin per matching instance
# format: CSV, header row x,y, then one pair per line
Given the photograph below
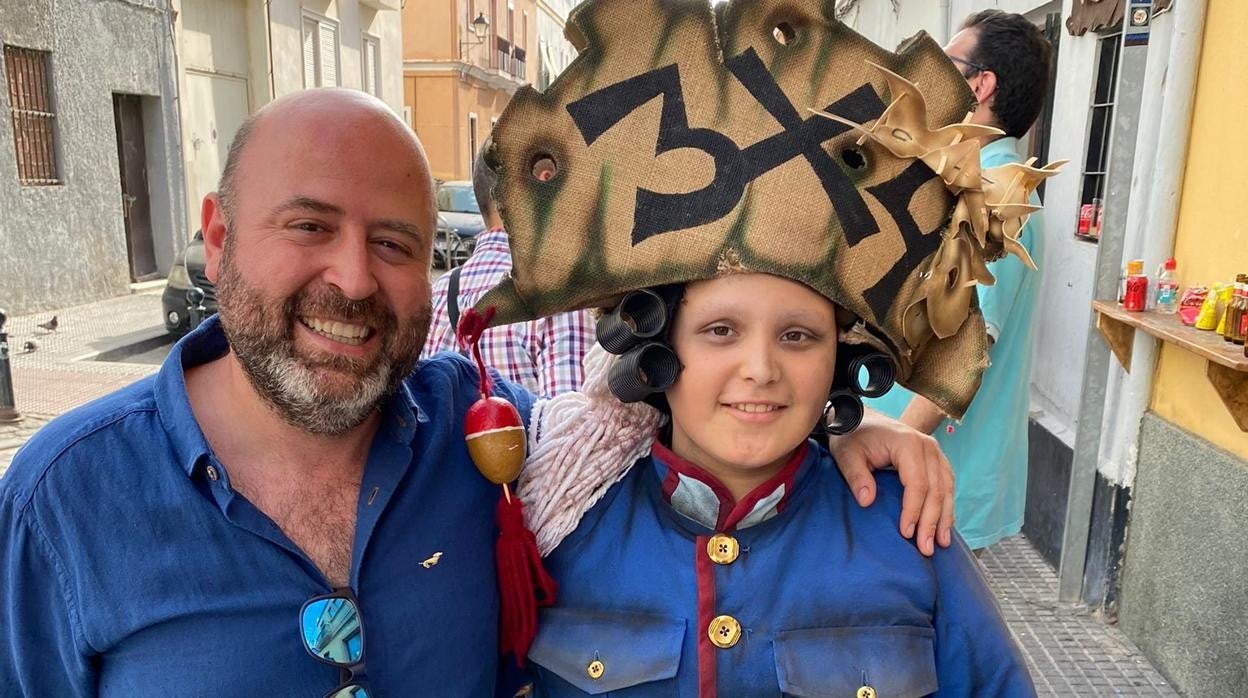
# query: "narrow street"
x,y
103,346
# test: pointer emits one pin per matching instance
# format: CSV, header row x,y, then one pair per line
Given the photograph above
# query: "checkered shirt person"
x,y
542,355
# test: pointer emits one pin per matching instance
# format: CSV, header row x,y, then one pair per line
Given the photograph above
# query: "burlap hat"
x,y
682,143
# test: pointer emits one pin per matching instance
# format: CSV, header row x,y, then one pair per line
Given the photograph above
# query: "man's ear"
x,y
986,88
213,226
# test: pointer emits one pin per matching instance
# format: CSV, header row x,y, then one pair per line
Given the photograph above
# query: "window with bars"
x,y
1100,130
371,63
320,51
29,77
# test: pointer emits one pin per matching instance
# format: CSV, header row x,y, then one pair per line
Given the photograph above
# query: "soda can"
x,y
1136,297
1086,212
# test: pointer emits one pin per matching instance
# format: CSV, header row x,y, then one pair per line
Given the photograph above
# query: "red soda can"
x,y
1086,212
1136,297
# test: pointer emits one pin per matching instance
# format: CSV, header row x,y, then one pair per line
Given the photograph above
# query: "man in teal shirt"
x,y
1005,60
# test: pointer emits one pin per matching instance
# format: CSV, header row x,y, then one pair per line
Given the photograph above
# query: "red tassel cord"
x,y
523,583
471,326
496,443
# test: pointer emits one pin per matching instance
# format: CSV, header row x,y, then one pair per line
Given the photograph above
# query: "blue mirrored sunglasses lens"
x,y
352,691
331,631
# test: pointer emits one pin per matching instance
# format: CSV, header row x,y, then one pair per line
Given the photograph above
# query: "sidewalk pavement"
x,y
62,371
1069,652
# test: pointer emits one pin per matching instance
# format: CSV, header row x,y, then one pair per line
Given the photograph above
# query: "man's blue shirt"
x,y
131,567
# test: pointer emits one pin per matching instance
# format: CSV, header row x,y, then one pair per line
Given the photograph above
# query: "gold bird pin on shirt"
x,y
433,560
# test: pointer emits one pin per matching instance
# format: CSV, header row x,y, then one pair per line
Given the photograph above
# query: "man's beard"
x,y
261,334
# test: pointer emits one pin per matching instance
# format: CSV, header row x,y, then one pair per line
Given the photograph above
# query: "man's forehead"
x,y
306,158
962,42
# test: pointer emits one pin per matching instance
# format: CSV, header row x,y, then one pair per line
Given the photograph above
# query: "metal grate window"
x,y
1100,128
27,72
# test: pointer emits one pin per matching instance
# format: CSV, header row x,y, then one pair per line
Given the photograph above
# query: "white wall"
x,y
286,30
879,22
1069,267
552,16
224,52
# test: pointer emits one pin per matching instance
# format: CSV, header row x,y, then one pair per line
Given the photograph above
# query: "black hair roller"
x,y
639,316
853,360
647,369
843,412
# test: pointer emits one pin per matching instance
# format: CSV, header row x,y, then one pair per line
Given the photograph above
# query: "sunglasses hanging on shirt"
x,y
333,633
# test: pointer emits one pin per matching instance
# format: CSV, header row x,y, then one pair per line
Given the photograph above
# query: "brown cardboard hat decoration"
x,y
683,143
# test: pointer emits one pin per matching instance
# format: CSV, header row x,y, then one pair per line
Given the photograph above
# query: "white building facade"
x,y
235,56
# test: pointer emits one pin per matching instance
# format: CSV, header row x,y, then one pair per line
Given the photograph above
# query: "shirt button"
x,y
866,692
722,549
212,473
595,670
724,631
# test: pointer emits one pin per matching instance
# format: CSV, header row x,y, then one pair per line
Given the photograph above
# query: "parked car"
x,y
459,223
187,272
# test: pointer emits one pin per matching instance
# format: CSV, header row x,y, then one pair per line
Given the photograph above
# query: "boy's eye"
x,y
721,331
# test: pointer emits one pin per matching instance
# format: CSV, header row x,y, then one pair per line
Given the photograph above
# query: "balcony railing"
x,y
517,63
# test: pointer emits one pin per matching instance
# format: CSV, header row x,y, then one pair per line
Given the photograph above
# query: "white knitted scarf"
x,y
580,444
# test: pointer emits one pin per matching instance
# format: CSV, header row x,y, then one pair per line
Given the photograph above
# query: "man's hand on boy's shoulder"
x,y
927,501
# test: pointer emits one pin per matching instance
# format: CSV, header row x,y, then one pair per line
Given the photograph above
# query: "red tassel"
x,y
523,583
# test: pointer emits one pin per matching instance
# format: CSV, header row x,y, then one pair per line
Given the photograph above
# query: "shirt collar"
x,y
207,343
1005,144
495,238
699,496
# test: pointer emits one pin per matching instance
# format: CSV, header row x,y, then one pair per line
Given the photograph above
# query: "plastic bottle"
x,y
1167,294
1241,312
1241,336
1230,318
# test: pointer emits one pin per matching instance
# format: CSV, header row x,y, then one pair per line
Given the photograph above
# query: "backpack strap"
x,y
452,300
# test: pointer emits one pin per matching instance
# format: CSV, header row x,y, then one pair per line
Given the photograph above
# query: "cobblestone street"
x,y
1070,652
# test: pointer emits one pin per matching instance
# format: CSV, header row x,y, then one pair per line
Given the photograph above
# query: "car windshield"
x,y
457,200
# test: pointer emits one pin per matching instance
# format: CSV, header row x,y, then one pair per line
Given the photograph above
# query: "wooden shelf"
x,y
1226,366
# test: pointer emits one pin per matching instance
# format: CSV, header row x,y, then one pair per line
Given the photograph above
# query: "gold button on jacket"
x,y
595,669
724,631
866,692
722,549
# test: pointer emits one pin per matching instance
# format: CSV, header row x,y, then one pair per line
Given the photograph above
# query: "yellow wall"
x,y
440,106
435,29
1212,241
440,93
433,118
429,30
